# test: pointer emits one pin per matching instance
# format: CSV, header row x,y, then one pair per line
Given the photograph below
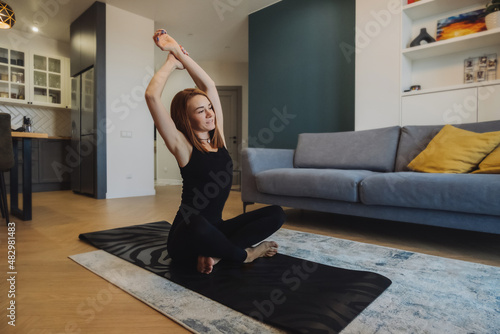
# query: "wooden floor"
x,y
55,295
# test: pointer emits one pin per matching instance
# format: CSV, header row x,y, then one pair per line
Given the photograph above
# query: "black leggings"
x,y
226,240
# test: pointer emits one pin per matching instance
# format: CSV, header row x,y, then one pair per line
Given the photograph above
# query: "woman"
x,y
194,134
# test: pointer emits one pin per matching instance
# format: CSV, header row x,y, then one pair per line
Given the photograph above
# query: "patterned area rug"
x,y
294,294
428,295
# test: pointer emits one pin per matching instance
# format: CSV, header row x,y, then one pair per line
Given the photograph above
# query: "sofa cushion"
x,y
455,150
471,193
373,150
341,185
490,164
414,139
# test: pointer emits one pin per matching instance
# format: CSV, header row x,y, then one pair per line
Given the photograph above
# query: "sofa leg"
x,y
245,206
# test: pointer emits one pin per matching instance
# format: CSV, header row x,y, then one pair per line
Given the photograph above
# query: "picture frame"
x,y
480,69
492,62
461,25
469,64
481,75
483,61
469,77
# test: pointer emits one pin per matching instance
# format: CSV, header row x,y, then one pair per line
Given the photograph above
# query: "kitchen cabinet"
x,y
30,78
50,81
48,160
12,75
83,33
88,53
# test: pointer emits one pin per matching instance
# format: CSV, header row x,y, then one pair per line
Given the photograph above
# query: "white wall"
x,y
224,74
129,67
378,40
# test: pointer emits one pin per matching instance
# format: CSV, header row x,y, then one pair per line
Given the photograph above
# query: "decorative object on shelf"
x,y
422,37
7,16
461,25
412,88
412,1
492,14
480,68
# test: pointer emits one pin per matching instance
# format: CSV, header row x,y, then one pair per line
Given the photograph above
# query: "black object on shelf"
x,y
423,36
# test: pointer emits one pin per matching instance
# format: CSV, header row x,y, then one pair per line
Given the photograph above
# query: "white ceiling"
x,y
208,29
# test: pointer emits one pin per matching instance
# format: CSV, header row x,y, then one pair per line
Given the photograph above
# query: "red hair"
x,y
179,114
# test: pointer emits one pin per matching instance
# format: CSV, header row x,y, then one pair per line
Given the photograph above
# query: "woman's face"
x,y
201,114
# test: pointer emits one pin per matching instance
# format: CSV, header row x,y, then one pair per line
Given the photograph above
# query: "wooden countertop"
x,y
29,135
37,135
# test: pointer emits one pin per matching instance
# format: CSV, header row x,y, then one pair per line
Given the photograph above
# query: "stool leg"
x,y
3,198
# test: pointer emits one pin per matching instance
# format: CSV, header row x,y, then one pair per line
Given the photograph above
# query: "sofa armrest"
x,y
255,160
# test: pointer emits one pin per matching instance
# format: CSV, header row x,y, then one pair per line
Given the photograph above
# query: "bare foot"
x,y
264,249
206,264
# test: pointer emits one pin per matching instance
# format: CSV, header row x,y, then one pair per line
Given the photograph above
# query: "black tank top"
x,y
206,182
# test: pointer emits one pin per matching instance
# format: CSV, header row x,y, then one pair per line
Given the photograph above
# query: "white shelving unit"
x,y
453,45
426,8
438,67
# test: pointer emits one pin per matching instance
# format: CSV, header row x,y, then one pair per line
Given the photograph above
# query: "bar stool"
x,y
6,161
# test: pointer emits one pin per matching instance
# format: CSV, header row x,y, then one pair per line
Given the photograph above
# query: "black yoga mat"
x,y
293,294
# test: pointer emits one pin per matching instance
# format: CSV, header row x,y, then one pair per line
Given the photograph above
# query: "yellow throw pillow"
x,y
454,150
490,164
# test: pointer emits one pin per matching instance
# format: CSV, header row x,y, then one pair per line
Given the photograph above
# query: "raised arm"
x,y
199,76
176,142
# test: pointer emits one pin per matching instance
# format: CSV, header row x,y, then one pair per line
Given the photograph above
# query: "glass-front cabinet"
x,y
47,80
12,75
33,78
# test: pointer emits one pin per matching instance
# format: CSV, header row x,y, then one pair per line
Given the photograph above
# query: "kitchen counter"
x,y
29,135
36,135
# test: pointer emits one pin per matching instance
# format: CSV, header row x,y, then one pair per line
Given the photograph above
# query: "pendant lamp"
x,y
7,17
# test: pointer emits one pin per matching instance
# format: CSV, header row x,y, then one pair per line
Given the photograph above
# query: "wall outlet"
x,y
126,134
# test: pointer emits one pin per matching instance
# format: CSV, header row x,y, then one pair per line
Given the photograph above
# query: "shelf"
x,y
425,8
450,88
452,45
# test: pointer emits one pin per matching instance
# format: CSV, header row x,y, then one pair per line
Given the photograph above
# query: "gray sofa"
x,y
364,173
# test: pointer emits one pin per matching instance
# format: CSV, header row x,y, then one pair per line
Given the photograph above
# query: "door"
x,y
230,98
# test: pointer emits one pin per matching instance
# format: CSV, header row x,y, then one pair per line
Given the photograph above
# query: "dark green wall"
x,y
299,79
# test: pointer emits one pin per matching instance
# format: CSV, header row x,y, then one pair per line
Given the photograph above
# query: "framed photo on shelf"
x,y
481,75
461,25
480,69
483,61
492,62
469,77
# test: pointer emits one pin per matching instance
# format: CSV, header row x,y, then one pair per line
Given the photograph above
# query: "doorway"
x,y
231,101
